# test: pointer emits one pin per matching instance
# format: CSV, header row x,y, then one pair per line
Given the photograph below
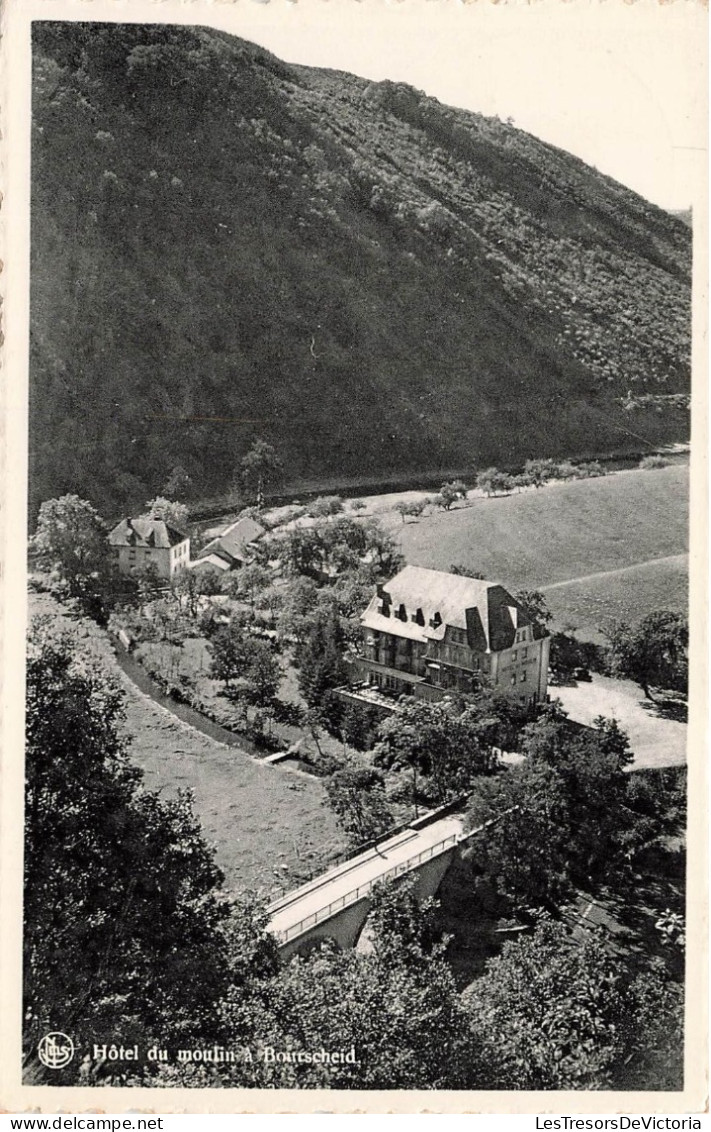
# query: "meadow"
x,y
271,826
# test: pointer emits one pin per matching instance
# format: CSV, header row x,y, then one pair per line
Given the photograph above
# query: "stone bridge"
x,y
336,904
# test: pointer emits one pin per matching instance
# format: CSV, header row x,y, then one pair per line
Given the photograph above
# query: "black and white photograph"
x,y
354,671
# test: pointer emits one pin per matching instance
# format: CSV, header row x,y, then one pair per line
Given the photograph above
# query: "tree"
x,y
534,604
171,512
124,920
524,852
567,654
319,658
465,572
566,816
248,667
554,1012
229,652
359,726
382,549
357,797
438,742
71,538
539,471
654,654
300,551
491,481
450,492
396,1007
263,675
413,507
261,467
178,484
299,598
250,580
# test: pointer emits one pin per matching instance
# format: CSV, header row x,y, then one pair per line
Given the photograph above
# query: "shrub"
x,y
655,461
324,506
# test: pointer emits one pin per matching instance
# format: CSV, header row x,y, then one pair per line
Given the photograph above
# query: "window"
x,y
514,654
524,675
524,654
513,678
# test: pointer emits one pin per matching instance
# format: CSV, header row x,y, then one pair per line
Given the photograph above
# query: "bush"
x,y
591,470
324,506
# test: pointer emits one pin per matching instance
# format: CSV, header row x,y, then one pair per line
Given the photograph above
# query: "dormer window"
x,y
419,617
402,612
436,621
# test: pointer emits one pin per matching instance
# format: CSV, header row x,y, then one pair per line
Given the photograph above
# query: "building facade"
x,y
144,544
426,633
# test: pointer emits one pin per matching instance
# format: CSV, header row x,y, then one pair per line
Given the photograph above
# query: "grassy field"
x,y
619,542
271,826
593,603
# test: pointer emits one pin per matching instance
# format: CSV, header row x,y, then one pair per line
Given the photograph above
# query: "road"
x,y
353,879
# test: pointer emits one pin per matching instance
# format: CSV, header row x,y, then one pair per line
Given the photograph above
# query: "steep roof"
x,y
146,532
209,561
431,600
235,540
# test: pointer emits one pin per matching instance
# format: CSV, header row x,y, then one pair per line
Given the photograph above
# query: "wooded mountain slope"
x,y
225,246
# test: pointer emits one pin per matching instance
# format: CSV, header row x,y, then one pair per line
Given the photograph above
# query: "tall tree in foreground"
x,y
397,1007
124,921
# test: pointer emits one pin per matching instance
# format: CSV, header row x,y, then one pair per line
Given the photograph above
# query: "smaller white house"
x,y
141,544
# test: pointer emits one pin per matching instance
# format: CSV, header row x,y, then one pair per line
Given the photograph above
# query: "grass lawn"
x,y
271,826
569,531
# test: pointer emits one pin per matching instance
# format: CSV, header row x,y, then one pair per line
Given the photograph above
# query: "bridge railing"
x,y
362,890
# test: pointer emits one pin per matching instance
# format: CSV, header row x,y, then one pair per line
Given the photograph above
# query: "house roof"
x,y
234,541
488,613
146,532
209,561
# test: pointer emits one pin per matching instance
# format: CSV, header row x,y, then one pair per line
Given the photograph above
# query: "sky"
x,y
621,85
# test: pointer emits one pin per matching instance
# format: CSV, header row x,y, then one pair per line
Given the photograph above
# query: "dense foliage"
x,y
226,248
555,1012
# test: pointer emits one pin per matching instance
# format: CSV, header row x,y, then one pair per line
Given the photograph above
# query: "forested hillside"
x,y
225,246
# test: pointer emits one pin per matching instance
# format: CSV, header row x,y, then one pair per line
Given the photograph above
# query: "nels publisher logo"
x,y
55,1050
